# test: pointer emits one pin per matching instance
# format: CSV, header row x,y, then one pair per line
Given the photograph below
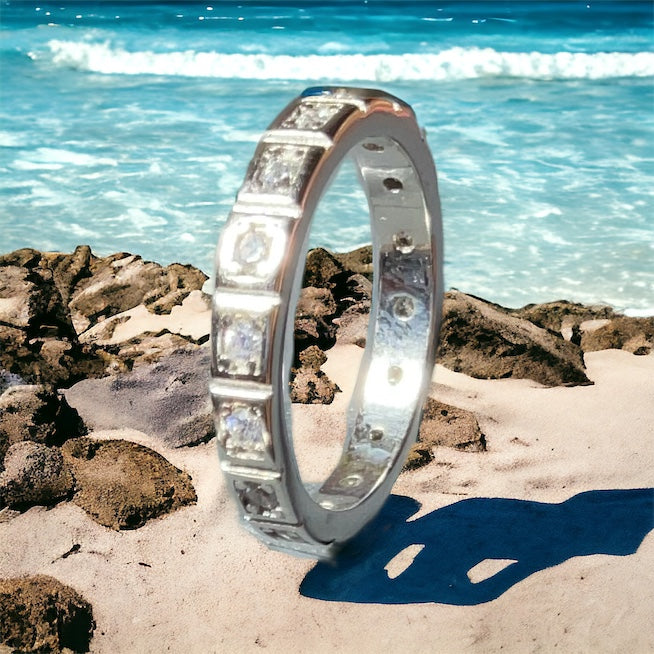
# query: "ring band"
x,y
259,270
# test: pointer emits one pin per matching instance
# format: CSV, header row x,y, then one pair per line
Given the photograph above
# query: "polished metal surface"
x,y
259,268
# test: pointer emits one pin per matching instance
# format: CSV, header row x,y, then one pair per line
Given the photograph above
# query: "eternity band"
x,y
259,270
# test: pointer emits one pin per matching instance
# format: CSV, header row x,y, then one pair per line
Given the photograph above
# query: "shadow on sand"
x,y
458,537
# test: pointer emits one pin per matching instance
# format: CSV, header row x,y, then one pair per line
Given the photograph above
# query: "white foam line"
x,y
452,64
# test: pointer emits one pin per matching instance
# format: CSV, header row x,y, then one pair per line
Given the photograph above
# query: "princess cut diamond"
x,y
281,169
312,115
239,344
241,431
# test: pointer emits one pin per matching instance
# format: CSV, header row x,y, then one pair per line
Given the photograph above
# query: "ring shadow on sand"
x,y
458,537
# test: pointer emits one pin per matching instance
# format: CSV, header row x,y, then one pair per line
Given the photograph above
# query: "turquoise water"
x,y
129,126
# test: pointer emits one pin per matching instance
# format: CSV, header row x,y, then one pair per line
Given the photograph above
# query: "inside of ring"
x,y
384,407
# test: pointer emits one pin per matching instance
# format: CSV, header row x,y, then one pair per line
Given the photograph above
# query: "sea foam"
x,y
452,64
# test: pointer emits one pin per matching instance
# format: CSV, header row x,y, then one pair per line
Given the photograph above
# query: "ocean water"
x,y
129,126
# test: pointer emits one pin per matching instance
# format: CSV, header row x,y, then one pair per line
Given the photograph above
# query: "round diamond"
x,y
252,246
243,340
243,429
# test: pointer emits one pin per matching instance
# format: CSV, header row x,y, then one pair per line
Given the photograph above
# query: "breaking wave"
x,y
452,64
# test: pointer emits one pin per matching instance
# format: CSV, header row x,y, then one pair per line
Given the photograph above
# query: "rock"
x,y
309,384
136,336
64,364
47,299
94,288
23,258
36,413
30,301
320,268
360,290
354,311
419,455
168,400
34,474
357,261
40,614
150,347
37,338
312,358
354,296
191,319
123,281
49,361
313,319
562,316
69,269
122,485
485,341
636,335
447,426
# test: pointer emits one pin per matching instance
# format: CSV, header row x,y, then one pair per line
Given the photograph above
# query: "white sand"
x,y
210,587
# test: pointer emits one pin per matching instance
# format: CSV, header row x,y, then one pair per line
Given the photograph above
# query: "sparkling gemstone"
x,y
252,246
240,345
279,169
258,499
312,116
241,431
251,249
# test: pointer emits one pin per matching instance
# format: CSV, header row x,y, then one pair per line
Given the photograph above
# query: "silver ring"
x,y
259,269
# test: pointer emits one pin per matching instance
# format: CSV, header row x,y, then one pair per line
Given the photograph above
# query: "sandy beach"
x,y
553,494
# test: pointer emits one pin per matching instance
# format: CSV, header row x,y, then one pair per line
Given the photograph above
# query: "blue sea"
x,y
129,126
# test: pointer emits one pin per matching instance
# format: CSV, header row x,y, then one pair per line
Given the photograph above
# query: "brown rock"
x,y
31,302
38,291
354,295
313,319
37,338
24,258
69,269
122,485
36,413
34,474
313,358
123,281
40,614
357,261
309,386
485,341
49,361
447,426
636,335
419,455
320,268
561,314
